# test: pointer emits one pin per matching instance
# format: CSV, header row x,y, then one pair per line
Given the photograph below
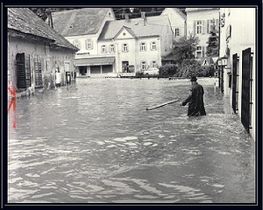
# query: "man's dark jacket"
x,y
195,100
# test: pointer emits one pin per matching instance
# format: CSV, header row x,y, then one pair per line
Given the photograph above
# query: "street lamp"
x,y
131,10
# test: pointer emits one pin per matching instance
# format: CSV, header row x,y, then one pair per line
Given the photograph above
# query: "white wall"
x,y
149,55
203,15
49,58
242,21
83,52
176,21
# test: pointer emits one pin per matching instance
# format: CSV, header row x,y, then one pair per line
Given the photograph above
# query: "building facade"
x,y
177,20
36,52
237,63
139,43
112,47
199,24
82,28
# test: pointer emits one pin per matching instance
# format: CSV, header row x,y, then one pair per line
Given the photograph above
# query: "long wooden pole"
x,y
161,105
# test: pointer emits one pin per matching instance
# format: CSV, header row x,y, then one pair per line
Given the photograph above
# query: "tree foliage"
x,y
184,48
213,43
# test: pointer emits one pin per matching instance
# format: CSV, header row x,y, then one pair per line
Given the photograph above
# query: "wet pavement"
x,y
95,142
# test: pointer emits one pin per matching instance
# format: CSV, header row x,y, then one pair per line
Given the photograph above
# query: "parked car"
x,y
151,71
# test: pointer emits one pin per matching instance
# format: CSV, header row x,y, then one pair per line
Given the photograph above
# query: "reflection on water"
x,y
95,142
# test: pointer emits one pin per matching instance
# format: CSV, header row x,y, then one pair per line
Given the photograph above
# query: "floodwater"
x,y
95,142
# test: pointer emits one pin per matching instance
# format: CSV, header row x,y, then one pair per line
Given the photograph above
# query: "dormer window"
x,y
89,44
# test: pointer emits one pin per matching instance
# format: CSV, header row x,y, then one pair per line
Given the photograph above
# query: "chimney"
x,y
143,16
127,17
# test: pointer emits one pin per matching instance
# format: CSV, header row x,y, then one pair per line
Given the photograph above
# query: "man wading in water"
x,y
195,100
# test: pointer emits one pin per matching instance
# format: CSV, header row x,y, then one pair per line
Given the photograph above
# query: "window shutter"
x,y
194,27
203,27
217,24
28,71
203,51
208,29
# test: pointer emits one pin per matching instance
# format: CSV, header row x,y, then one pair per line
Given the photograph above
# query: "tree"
x,y
184,48
213,42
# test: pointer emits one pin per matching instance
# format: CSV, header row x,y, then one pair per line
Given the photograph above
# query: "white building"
x,y
109,46
82,27
138,43
199,24
177,20
238,76
35,52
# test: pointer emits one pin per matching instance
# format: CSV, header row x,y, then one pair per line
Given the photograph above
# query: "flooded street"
x,y
95,142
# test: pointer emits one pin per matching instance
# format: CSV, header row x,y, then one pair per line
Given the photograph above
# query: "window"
x,y
89,44
143,65
198,52
143,46
154,64
153,46
112,49
199,26
103,49
125,48
76,43
176,32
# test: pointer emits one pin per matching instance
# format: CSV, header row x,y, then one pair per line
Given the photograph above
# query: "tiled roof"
x,y
94,61
79,21
154,27
25,21
180,12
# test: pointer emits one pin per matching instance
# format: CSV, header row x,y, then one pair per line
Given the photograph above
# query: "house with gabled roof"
x,y
137,44
35,52
200,22
82,27
177,20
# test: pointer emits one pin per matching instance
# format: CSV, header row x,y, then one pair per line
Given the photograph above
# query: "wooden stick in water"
x,y
163,104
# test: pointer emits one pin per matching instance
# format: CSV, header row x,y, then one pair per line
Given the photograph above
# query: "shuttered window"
x,y
20,71
199,27
28,71
38,72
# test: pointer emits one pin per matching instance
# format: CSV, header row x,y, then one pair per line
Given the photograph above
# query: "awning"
x,y
94,61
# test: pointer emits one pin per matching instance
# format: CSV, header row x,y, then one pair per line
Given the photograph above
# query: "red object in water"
x,y
12,103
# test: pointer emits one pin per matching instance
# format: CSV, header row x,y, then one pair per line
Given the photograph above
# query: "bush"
x,y
168,70
188,68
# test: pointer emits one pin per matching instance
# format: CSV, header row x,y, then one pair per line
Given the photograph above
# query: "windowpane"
x,y
143,46
153,46
176,32
199,27
103,49
89,45
125,47
143,65
112,49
